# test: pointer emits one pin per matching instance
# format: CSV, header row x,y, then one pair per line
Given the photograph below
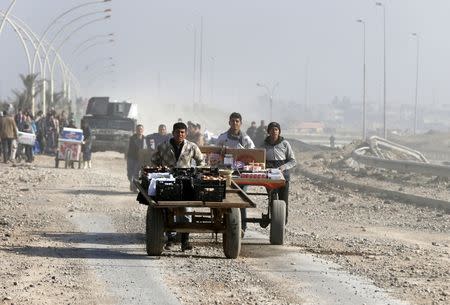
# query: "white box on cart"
x,y
26,138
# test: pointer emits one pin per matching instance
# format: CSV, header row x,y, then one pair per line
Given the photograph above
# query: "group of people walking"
x,y
177,151
46,130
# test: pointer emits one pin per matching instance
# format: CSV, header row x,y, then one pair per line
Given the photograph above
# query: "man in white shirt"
x,y
235,137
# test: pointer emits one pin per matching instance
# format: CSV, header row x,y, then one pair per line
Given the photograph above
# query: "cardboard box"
x,y
26,138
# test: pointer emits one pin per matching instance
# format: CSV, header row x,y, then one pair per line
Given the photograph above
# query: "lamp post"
x,y
364,132
95,44
11,5
416,35
194,70
384,67
18,29
57,18
270,95
53,65
66,39
201,62
33,39
44,93
90,39
213,60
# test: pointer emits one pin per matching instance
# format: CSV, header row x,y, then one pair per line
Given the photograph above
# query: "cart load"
x,y
212,196
69,147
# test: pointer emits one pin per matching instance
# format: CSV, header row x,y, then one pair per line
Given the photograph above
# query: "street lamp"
x,y
6,15
270,95
194,74
213,60
416,35
19,31
33,39
364,132
95,44
67,38
46,31
44,93
90,39
384,67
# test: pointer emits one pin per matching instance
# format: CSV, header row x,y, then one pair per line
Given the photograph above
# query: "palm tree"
x,y
58,100
24,97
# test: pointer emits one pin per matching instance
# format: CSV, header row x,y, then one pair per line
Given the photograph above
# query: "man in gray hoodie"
x,y
279,154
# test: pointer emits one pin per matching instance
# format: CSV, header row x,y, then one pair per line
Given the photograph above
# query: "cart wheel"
x,y
68,156
56,161
277,222
154,231
232,234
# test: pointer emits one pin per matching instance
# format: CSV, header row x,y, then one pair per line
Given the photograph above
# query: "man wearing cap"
x,y
178,152
279,154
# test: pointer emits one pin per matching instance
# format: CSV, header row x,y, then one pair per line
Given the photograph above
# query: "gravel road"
x,y
76,237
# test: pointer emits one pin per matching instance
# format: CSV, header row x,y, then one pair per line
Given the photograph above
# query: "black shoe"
x,y
186,246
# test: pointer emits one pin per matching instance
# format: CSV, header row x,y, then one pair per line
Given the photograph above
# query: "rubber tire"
x,y
68,156
277,224
232,235
154,231
56,161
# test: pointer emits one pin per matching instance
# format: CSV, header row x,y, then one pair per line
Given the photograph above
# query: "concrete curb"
x,y
418,201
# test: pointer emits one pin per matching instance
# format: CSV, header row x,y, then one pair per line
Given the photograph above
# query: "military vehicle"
x,y
111,123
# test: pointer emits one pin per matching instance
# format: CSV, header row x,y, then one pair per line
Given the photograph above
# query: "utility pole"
x,y
417,83
364,130
383,5
306,86
201,62
195,68
212,80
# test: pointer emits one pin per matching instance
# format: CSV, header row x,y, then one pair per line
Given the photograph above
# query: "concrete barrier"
x,y
415,200
402,166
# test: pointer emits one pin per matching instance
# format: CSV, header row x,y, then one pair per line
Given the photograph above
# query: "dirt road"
x,y
76,237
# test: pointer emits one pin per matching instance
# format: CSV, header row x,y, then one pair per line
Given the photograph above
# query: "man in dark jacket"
x,y
137,143
260,135
251,131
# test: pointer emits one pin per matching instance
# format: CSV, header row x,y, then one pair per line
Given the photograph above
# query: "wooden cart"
x,y
223,217
276,209
69,147
220,217
68,151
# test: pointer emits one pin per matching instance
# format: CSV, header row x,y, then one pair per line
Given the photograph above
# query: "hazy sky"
x,y
251,41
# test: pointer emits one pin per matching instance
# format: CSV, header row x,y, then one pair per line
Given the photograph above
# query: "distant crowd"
x,y
46,129
195,134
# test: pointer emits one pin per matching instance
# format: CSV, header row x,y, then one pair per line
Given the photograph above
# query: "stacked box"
x,y
168,191
210,190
